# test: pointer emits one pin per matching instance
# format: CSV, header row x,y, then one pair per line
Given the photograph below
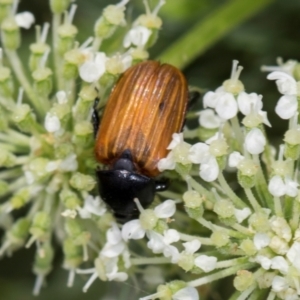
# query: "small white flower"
x,y
52,123
242,214
115,275
206,263
92,205
249,102
286,84
192,246
114,245
165,210
134,230
264,261
255,141
279,187
167,163
279,284
177,138
261,240
187,293
93,69
226,107
199,153
234,159
69,164
137,36
61,97
24,19
279,263
208,119
287,106
293,255
209,168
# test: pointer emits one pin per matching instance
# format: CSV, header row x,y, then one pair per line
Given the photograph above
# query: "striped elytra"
x,y
147,105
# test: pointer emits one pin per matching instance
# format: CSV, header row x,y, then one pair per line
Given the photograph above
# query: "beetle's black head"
x,y
122,184
118,188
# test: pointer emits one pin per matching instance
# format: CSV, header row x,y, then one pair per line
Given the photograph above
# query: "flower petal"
x,y
276,186
206,263
286,107
209,170
187,293
255,141
165,209
227,107
132,230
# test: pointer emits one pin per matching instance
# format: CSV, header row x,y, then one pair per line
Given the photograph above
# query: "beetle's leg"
x,y
161,185
95,117
193,97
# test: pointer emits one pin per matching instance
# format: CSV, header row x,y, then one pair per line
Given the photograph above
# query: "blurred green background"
x,y
259,40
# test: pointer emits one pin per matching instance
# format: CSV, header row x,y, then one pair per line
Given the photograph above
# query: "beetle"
x,y
146,106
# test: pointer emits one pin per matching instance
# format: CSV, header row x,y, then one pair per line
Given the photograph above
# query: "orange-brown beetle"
x,y
146,106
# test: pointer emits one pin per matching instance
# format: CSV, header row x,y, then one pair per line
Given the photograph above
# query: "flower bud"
x,y
224,208
23,117
148,219
59,6
82,182
139,55
247,171
248,247
278,245
63,150
4,187
20,198
7,159
181,153
66,37
38,168
70,199
43,260
112,16
192,199
292,144
186,262
76,232
87,96
73,254
265,281
233,86
42,81
18,234
10,34
63,112
41,226
219,238
37,51
259,221
6,82
218,148
281,168
83,133
5,9
252,120
243,280
72,60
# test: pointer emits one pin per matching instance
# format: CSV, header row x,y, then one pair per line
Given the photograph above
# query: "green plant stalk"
x,y
206,32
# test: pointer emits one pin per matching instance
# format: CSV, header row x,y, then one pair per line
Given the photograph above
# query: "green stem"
x,y
150,260
206,32
238,202
188,238
244,295
237,132
261,185
57,60
294,221
252,200
209,225
220,274
271,296
20,74
278,207
200,189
